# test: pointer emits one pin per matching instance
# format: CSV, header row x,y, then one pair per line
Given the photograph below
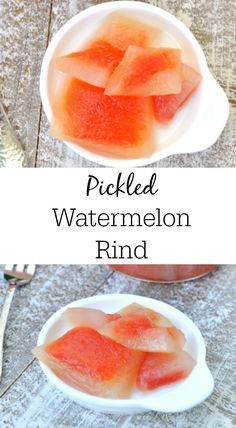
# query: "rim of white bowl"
x,y
109,6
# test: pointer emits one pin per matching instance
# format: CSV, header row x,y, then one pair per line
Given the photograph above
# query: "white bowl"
x,y
195,127
176,398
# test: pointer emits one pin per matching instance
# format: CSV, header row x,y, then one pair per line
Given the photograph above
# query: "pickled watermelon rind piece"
x,y
163,369
122,30
93,65
138,331
88,361
156,317
119,127
87,317
146,72
166,106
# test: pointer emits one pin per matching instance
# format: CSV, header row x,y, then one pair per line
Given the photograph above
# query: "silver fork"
x,y
16,276
11,151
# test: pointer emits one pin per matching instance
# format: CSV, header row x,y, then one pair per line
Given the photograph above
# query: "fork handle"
x,y
3,319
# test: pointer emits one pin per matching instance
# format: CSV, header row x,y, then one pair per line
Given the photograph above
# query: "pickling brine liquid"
x,y
164,273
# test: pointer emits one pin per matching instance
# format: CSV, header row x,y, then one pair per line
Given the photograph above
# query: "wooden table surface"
x,y
27,27
28,400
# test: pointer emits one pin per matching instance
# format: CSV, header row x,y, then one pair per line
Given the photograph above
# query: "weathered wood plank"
x,y
52,287
24,34
210,301
213,23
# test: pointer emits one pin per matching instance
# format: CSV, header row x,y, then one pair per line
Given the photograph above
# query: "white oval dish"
x,y
180,396
195,127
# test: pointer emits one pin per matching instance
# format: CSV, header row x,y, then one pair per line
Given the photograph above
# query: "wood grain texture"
x,y
52,287
29,401
26,28
24,34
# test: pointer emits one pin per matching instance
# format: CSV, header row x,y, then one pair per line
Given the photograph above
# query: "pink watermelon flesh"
x,y
146,72
91,362
121,30
93,65
86,317
165,106
111,126
138,331
163,369
157,319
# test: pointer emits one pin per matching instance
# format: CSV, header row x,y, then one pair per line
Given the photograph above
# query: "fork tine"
x,y
30,269
20,268
9,267
16,275
19,272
